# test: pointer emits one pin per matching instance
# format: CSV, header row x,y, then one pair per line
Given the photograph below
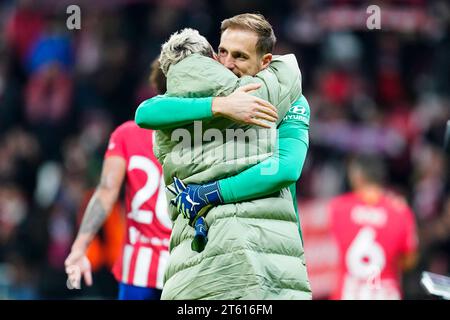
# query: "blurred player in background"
x,y
129,156
375,232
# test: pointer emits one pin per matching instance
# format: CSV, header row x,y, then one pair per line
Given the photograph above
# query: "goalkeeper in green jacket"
x,y
164,112
256,273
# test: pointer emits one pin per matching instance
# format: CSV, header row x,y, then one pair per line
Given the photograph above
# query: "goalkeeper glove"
x,y
194,200
200,237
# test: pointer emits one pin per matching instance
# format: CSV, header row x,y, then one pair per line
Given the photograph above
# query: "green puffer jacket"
x,y
254,249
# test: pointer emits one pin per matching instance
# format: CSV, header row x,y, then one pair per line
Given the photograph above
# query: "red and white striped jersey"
x,y
145,251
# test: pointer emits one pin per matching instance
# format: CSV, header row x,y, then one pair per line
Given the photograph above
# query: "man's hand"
x,y
201,235
242,107
194,200
78,264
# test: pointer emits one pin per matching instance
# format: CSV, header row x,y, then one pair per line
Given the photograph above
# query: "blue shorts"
x,y
129,292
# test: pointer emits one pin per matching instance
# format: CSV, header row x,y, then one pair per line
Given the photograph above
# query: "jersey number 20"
x,y
154,181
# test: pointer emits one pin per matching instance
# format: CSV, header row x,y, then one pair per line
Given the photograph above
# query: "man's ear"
x,y
265,60
215,56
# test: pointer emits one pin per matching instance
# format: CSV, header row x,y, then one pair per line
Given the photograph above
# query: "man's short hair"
x,y
157,78
372,167
256,23
181,45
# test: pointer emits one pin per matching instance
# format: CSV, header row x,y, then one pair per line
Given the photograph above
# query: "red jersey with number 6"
x,y
371,238
146,247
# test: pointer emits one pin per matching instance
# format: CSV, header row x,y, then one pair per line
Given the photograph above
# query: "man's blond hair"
x,y
181,45
256,23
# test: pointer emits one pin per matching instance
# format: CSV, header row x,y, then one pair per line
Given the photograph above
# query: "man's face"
x,y
237,52
355,177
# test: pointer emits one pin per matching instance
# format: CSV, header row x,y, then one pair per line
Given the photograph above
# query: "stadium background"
x,y
62,92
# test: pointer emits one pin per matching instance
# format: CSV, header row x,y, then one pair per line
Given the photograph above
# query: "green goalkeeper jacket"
x,y
254,250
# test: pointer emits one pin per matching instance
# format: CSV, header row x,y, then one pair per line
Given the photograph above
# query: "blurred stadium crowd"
x,y
62,92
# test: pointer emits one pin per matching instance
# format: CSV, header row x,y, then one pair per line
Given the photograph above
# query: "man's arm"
x,y
163,112
99,206
280,170
287,161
